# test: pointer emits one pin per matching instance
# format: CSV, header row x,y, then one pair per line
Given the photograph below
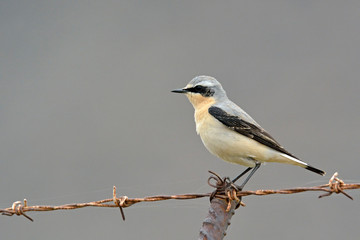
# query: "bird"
x,y
231,134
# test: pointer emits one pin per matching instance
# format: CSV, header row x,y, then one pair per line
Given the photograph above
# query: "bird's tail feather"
x,y
315,170
297,162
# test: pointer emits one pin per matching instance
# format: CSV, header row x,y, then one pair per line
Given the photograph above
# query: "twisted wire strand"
x,y
225,190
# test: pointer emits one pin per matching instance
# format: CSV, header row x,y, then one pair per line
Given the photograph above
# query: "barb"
x,y
225,187
119,203
335,185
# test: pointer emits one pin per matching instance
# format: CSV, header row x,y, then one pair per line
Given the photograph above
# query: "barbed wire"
x,y
225,190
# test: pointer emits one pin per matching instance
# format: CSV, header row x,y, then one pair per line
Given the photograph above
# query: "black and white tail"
x,y
295,161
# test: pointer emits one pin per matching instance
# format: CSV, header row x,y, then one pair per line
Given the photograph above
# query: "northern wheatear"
x,y
230,133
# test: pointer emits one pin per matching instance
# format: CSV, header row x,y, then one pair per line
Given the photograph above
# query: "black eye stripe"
x,y
198,89
205,91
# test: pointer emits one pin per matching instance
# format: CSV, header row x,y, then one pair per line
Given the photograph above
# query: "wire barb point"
x,y
119,203
336,186
16,208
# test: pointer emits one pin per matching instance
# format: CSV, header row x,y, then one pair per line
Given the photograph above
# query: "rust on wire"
x,y
16,208
336,186
225,187
225,190
119,203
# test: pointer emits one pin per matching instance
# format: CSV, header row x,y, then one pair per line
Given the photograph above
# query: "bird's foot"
x,y
231,191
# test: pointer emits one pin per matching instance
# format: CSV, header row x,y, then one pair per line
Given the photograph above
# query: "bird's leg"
x,y
257,165
242,174
239,188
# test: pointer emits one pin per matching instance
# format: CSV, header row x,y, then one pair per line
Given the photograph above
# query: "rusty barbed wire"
x,y
225,190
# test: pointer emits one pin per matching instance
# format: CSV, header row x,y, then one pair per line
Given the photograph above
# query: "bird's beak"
x,y
180,90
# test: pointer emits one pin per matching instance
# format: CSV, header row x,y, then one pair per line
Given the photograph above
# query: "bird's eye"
x,y
205,91
199,89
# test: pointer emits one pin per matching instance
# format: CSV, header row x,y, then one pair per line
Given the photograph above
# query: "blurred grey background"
x,y
85,104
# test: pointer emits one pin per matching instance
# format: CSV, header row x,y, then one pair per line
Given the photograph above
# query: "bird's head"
x,y
202,90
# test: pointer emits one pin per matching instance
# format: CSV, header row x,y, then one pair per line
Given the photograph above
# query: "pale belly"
x,y
232,146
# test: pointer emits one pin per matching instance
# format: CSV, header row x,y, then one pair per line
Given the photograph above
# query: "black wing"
x,y
247,129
